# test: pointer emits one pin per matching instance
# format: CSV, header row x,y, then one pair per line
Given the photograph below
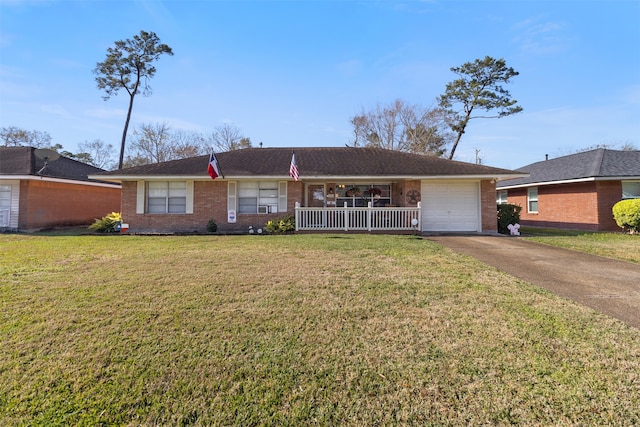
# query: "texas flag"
x,y
213,169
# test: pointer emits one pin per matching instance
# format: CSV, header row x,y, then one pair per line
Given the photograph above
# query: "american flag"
x,y
293,169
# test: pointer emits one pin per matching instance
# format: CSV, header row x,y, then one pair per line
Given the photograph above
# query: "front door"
x,y
315,196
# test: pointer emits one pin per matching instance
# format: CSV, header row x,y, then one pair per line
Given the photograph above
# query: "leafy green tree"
x,y
478,88
129,66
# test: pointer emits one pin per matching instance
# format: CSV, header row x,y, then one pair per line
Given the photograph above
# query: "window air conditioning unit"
x,y
263,209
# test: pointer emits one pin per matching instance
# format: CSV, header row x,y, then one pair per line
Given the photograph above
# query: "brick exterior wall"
x,y
488,210
580,206
409,185
45,204
209,202
609,193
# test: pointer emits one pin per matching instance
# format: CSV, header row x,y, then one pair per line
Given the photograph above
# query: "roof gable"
x,y
599,163
313,162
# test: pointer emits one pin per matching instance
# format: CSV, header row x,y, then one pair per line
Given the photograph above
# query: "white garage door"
x,y
450,206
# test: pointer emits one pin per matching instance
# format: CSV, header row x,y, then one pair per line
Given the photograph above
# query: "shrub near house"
x,y
627,214
107,224
281,225
508,214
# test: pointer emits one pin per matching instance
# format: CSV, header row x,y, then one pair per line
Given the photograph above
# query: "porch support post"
x,y
297,216
346,217
369,215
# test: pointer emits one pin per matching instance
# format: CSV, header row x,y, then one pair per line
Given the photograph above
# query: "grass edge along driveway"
x,y
291,330
622,246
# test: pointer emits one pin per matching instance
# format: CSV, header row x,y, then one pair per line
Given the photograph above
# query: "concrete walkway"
x,y
607,285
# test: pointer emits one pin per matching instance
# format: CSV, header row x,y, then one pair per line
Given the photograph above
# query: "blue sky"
x,y
293,73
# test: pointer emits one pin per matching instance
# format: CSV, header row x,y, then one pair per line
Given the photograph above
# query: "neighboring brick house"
x,y
179,196
576,191
38,193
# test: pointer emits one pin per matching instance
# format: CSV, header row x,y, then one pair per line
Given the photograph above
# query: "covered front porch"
x,y
369,218
360,207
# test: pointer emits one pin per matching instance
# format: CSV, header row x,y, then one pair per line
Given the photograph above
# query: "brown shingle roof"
x,y
315,162
22,161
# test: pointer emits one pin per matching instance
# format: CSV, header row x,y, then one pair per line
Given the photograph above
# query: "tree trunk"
x,y
461,127
455,145
124,132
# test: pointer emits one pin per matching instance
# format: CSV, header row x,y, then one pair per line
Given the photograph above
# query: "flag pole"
x,y
219,168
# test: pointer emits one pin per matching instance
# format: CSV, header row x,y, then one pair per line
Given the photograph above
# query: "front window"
x,y
5,196
501,197
359,195
631,189
5,204
257,197
532,199
167,197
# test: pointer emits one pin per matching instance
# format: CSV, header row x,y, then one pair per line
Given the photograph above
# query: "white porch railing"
x,y
358,219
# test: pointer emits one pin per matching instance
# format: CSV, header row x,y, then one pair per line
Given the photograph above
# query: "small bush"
x,y
627,215
212,227
508,214
107,224
281,225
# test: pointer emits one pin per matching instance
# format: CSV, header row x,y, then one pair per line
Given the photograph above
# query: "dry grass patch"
x,y
291,330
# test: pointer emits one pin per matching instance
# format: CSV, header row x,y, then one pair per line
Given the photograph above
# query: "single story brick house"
x,y
339,189
576,191
38,192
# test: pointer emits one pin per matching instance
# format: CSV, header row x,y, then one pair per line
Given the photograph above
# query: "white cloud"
x,y
540,38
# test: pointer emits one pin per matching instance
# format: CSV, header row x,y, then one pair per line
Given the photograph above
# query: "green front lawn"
x,y
296,330
625,247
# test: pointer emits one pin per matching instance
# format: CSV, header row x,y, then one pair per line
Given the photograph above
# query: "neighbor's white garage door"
x,y
450,206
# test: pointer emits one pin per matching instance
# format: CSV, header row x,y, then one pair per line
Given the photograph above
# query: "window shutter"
x,y
282,196
189,201
231,196
140,198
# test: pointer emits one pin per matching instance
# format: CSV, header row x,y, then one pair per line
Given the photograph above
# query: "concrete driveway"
x,y
607,285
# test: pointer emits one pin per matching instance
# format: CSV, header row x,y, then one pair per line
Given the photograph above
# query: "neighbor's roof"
x,y
21,161
319,162
589,165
